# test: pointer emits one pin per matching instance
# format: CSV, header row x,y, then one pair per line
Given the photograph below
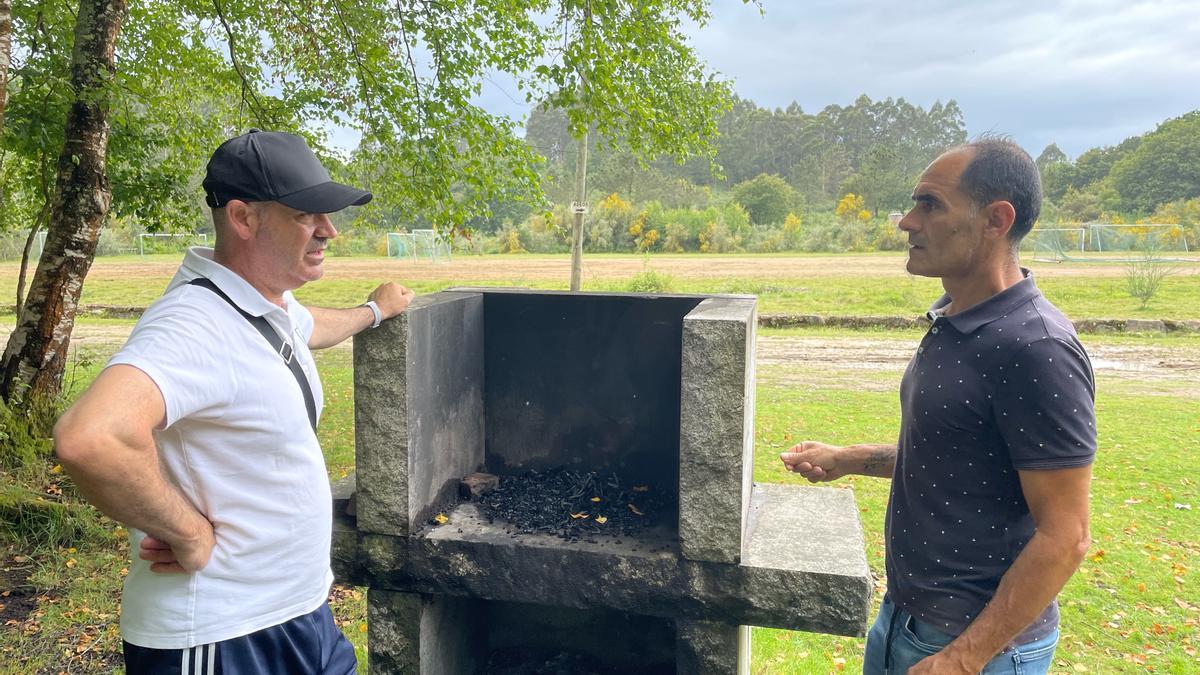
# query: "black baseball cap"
x,y
266,166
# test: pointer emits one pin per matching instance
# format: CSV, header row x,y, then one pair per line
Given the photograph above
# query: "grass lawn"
x,y
1133,607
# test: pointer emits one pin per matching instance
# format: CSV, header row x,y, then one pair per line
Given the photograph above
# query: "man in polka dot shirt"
x,y
988,515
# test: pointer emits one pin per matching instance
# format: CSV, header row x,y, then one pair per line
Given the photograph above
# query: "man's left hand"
x,y
392,298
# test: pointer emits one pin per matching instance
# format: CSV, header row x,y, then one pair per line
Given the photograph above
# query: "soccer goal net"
x,y
418,244
12,245
1108,242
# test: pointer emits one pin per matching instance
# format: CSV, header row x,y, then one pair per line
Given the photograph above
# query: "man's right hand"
x,y
815,461
180,558
392,298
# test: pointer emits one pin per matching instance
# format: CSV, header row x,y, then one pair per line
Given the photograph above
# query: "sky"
x,y
1079,73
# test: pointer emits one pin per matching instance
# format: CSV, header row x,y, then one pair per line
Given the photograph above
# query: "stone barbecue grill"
x,y
655,389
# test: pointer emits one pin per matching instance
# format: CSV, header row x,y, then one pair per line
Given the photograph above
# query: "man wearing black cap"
x,y
200,434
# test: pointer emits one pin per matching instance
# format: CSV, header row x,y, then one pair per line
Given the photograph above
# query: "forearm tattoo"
x,y
878,459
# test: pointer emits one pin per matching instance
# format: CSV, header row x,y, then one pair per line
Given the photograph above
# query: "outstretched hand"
x,y
815,461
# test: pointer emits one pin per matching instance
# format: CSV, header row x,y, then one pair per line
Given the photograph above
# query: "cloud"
x,y
1079,73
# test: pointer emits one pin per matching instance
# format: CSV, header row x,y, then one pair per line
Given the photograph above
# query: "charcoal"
x,y
569,503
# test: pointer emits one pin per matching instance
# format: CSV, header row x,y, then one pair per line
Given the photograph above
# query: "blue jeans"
x,y
913,640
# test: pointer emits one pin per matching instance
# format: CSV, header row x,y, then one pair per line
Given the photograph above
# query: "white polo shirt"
x,y
238,445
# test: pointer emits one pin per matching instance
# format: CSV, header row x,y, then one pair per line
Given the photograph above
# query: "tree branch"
x,y
254,103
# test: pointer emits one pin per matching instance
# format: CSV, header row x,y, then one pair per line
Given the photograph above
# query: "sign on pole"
x,y
579,208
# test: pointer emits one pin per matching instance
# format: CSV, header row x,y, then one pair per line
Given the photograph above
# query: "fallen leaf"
x,y
1097,556
579,515
57,468
1141,588
1080,668
635,510
441,519
641,488
362,627
595,499
601,519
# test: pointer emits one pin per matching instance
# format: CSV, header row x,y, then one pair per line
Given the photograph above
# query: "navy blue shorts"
x,y
307,645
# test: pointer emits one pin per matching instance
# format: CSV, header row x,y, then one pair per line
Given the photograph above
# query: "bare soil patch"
x,y
836,358
683,266
17,596
545,268
834,361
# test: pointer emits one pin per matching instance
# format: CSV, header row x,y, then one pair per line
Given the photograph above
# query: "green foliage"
x,y
1058,178
38,505
1186,213
1051,154
627,72
888,237
767,199
883,145
1164,167
1079,207
650,281
1145,273
607,227
25,436
35,522
358,241
825,233
735,218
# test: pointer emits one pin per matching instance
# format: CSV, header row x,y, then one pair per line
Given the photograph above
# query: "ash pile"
x,y
574,505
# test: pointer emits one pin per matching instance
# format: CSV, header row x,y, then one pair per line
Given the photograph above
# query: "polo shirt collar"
x,y
995,307
199,263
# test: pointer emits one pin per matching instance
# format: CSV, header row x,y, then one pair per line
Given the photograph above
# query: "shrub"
x,y
766,198
716,238
650,281
606,229
1144,274
888,237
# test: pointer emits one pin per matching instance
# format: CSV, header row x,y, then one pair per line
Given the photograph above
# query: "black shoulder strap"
x,y
284,349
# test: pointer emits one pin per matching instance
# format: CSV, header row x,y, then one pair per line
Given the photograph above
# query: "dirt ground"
x,y
501,268
812,360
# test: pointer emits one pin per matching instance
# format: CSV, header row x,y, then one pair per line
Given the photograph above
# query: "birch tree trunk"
x,y
577,226
35,357
5,54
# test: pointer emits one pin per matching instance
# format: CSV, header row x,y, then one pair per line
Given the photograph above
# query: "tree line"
x,y
1154,176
